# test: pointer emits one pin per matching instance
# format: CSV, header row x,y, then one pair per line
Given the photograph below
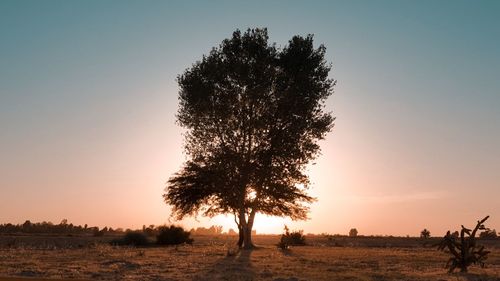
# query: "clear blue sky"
x,y
88,97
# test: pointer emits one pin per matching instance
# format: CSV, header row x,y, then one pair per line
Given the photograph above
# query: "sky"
x,y
88,96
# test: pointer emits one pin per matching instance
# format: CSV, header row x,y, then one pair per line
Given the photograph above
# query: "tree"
x,y
488,234
425,233
353,232
254,114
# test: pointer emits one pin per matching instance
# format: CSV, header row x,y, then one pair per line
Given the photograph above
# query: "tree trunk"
x,y
247,241
245,230
241,237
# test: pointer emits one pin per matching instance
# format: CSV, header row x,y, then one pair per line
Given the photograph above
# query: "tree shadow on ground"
x,y
234,267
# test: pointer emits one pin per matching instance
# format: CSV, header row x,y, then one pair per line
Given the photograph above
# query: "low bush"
x,y
97,233
173,235
488,234
294,238
132,238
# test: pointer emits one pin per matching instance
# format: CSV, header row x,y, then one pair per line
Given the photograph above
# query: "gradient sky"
x,y
88,97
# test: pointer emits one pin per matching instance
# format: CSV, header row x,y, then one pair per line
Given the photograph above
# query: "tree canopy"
x,y
254,114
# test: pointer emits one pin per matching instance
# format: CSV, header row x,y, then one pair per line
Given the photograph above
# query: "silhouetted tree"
x,y
488,234
27,224
150,231
425,233
353,232
254,115
96,232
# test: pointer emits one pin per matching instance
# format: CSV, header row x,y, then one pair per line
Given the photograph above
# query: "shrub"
x,y
294,238
132,239
97,233
464,250
425,234
488,234
150,231
173,235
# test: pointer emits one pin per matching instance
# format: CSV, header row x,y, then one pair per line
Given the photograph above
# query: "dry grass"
x,y
215,259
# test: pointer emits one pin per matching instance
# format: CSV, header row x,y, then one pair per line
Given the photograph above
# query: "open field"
x,y
340,258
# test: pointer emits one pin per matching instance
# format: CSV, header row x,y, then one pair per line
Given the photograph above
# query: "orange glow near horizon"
x,y
358,181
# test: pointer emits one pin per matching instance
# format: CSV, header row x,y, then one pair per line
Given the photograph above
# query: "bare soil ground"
x,y
214,258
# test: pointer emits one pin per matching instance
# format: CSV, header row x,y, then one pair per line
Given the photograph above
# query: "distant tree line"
x,y
68,228
153,230
62,228
214,230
